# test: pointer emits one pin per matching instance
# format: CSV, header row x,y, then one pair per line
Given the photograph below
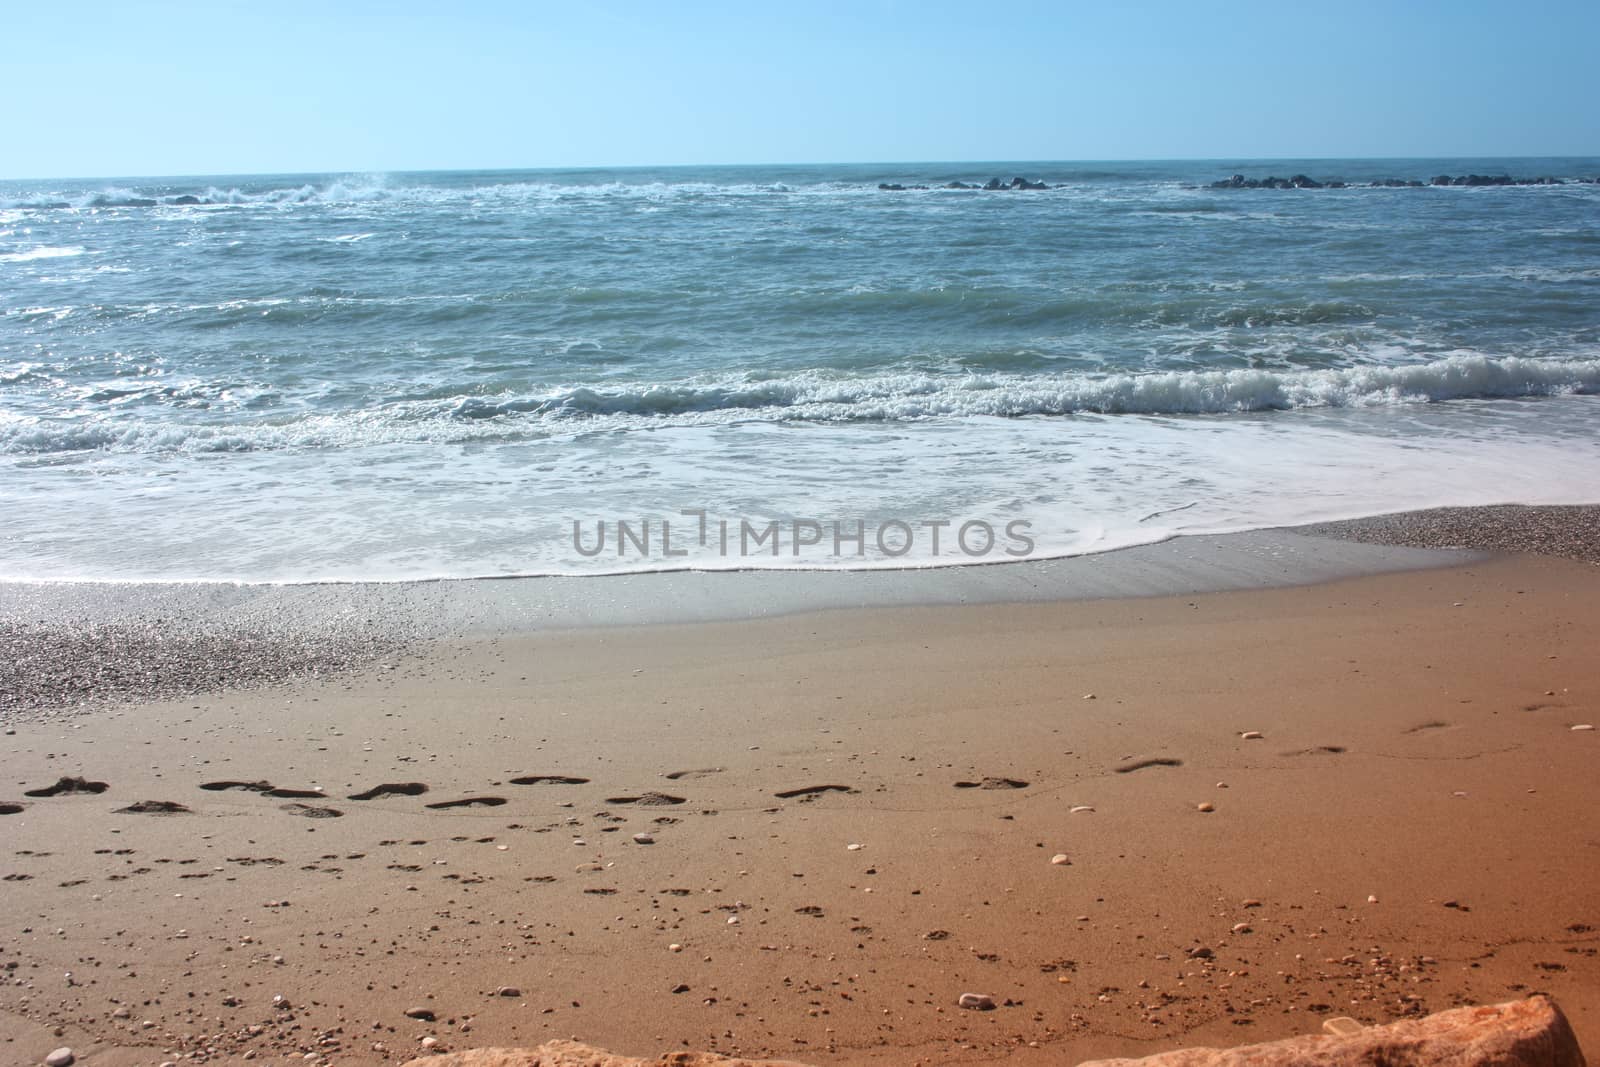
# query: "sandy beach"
x,y
1138,822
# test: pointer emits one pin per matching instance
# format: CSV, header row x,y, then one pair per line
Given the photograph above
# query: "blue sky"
x,y
97,89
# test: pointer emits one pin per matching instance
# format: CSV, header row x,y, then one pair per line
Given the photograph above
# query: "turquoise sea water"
x,y
415,375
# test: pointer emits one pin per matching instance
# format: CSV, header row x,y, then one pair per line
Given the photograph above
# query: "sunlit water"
x,y
426,375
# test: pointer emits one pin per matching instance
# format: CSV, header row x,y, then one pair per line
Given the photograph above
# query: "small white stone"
x,y
674,947
976,1001
1251,735
1372,898
1080,809
61,1057
733,920
1583,726
1060,859
1205,805
1088,696
1242,928
643,839
853,848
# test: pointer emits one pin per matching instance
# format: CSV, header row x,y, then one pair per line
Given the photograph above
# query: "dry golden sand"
x,y
1417,749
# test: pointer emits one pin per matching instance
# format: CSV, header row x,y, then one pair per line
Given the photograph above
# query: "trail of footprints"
x,y
296,803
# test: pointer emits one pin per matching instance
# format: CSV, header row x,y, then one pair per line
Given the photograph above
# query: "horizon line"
x,y
1230,160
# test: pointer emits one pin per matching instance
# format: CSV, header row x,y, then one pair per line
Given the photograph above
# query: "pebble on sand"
x,y
1242,928
61,1057
424,1014
1060,860
643,839
1251,735
1583,726
1372,898
976,1001
853,848
1080,809
1205,805
508,991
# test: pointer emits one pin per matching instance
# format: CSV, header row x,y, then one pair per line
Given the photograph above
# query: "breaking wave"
x,y
814,396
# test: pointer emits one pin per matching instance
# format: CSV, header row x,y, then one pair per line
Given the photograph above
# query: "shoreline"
x,y
66,645
1416,748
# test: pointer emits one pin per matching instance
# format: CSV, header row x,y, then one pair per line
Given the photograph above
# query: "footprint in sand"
x,y
549,779
701,772
1319,750
267,789
1156,761
153,807
652,799
392,789
1420,727
469,802
10,809
66,787
812,790
994,783
311,812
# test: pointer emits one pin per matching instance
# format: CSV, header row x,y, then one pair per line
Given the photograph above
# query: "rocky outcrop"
x,y
992,185
574,1054
1301,181
1522,1033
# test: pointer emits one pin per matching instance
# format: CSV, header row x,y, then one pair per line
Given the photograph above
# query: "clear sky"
x,y
97,88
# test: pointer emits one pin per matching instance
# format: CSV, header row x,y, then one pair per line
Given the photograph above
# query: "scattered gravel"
x,y
1572,532
63,646
52,665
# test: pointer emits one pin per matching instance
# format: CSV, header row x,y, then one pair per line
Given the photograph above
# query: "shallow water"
x,y
400,376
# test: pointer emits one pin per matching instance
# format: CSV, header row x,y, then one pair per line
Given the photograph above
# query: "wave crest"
x,y
810,396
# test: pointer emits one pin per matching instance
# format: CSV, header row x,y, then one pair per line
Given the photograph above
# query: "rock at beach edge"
x,y
1521,1033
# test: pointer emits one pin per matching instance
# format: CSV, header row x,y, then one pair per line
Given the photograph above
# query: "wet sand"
x,y
1414,829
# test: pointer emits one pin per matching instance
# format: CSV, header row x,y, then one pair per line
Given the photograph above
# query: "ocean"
x,y
435,375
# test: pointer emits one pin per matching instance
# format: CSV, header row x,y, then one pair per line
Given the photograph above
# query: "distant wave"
x,y
812,396
357,191
42,252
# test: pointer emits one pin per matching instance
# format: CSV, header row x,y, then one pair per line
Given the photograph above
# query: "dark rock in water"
x,y
959,185
993,184
890,188
1302,181
185,200
1024,183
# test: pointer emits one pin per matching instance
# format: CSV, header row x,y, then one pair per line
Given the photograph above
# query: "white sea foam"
x,y
42,252
1083,485
812,396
